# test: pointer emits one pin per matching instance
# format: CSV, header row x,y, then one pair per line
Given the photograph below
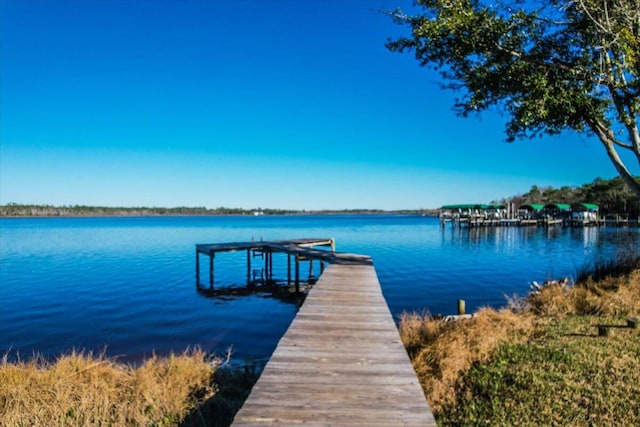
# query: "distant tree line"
x,y
612,195
20,210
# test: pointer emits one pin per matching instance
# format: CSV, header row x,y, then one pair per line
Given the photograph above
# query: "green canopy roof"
x,y
472,206
591,207
465,206
559,206
532,207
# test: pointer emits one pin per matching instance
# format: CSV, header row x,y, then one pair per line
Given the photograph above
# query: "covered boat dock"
x,y
550,214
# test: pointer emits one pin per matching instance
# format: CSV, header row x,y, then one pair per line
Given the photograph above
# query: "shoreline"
x,y
148,215
513,348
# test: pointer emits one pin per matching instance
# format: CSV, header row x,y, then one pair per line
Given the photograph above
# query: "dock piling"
x,y
211,256
197,269
297,274
461,307
248,266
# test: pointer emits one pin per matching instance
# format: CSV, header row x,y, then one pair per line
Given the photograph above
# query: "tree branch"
x,y
606,137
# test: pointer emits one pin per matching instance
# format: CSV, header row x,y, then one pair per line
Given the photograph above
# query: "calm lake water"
x,y
127,285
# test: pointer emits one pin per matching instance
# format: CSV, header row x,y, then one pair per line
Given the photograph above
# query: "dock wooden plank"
x,y
341,363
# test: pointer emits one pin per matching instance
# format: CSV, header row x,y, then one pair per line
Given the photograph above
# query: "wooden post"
x,y
270,266
461,307
288,269
604,331
212,254
297,274
266,266
310,268
333,245
248,266
197,269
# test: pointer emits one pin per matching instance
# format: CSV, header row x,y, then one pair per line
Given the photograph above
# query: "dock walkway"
x,y
298,249
341,362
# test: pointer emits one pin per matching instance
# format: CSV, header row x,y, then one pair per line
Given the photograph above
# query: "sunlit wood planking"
x,y
341,363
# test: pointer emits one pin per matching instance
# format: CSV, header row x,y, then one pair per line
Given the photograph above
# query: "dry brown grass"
x,y
611,296
442,351
81,389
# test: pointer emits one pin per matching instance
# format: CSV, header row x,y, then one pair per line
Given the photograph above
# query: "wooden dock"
x,y
298,250
480,221
341,362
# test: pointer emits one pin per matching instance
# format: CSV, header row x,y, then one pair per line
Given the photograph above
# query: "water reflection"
x,y
617,243
589,236
286,282
518,236
273,289
560,248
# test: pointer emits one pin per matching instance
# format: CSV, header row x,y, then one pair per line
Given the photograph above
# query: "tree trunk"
x,y
603,133
624,173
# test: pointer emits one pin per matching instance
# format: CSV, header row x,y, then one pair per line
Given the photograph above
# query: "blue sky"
x,y
292,104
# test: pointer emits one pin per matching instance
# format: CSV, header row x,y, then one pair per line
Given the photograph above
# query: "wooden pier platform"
x,y
341,362
298,249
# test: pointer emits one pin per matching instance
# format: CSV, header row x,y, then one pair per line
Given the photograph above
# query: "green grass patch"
x,y
565,375
544,363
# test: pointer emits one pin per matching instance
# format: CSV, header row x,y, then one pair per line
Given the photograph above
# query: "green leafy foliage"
x,y
550,66
611,195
